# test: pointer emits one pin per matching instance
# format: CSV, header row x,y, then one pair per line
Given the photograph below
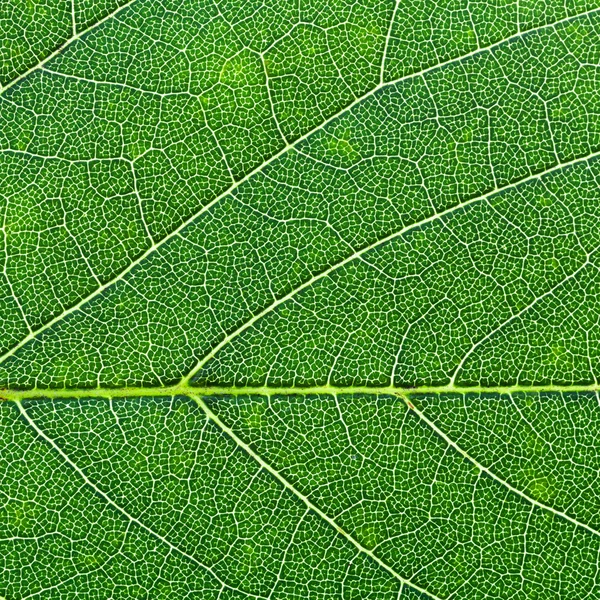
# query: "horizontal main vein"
x,y
372,246
112,503
257,169
493,475
224,390
305,499
64,45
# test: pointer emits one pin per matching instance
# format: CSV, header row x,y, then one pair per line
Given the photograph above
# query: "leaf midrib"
x,y
406,394
119,276
187,389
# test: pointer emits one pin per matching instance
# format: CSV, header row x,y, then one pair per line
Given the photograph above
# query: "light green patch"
x,y
21,517
542,488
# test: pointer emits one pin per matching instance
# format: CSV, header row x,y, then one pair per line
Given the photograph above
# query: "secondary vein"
x,y
64,45
97,490
359,253
305,499
491,474
33,334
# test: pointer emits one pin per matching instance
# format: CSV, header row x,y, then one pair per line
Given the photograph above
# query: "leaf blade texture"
x,y
298,300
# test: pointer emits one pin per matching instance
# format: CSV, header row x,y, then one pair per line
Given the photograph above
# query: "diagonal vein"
x,y
491,474
116,506
304,499
64,45
374,245
119,276
388,37
519,314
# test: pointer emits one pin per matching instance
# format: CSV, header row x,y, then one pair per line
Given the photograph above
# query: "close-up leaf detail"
x,y
300,299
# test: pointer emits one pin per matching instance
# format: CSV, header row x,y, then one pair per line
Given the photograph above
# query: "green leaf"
x,y
299,300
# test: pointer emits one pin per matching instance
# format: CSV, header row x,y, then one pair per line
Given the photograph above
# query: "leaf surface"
x,y
299,300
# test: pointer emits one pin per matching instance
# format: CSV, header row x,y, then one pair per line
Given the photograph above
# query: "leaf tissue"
x,y
300,299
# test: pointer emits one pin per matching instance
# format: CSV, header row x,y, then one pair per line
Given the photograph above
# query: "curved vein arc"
x,y
64,45
260,167
518,314
490,473
211,416
112,503
359,253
